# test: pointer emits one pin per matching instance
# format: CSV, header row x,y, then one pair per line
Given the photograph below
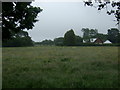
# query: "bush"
x,y
18,42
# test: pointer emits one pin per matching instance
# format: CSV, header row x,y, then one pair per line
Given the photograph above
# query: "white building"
x,y
107,42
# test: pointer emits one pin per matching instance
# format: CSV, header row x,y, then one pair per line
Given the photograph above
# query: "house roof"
x,y
98,40
93,39
107,41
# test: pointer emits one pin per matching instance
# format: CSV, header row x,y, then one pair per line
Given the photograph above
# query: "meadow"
x,y
60,67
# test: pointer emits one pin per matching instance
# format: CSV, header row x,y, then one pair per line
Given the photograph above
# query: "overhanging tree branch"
x,y
104,4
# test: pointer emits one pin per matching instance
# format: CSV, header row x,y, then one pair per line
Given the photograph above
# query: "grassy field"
x,y
60,67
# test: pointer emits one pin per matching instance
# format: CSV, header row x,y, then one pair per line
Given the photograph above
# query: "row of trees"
x,y
113,35
70,39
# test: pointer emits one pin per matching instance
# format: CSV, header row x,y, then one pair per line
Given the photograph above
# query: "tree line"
x,y
70,39
18,16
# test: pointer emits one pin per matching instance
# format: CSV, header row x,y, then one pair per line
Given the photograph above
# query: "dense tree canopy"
x,y
17,16
101,36
47,42
114,35
88,34
79,40
59,41
69,38
19,40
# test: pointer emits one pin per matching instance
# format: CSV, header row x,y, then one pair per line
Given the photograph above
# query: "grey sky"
x,y
58,17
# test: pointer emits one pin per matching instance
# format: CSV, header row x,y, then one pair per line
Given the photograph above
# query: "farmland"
x,y
60,67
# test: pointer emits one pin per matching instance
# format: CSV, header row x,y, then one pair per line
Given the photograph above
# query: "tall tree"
x,y
113,35
93,32
88,34
69,38
17,16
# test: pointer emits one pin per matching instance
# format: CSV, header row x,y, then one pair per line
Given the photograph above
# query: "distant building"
x,y
84,41
92,40
98,41
95,40
107,42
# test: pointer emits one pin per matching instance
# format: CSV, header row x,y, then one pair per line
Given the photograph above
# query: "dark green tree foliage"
x,y
17,16
118,38
69,38
93,32
88,34
103,37
113,35
47,42
21,34
19,41
59,41
79,40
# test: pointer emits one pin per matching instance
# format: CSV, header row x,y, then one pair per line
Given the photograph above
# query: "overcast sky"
x,y
59,17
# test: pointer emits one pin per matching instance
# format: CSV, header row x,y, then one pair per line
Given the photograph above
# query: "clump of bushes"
x,y
18,42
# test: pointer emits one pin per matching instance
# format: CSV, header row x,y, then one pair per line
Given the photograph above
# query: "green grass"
x,y
60,67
